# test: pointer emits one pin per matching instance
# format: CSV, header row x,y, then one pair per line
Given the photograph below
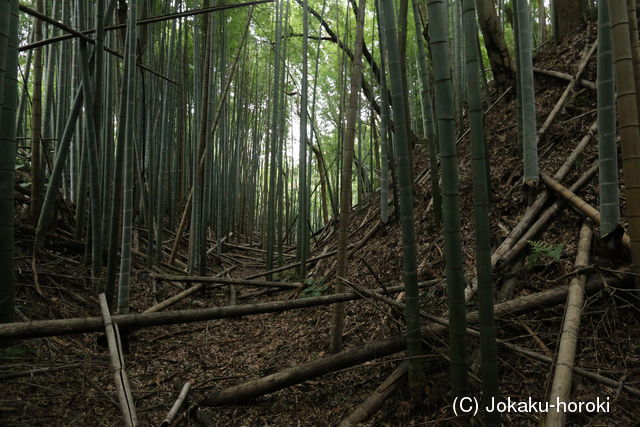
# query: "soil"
x,y
216,354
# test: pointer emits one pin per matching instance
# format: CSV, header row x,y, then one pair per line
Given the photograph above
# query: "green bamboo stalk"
x,y
92,150
450,206
412,304
529,136
37,172
428,118
127,209
303,198
346,177
629,124
384,126
607,146
488,350
8,106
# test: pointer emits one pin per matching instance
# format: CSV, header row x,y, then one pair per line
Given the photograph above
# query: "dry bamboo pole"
x,y
43,328
561,384
226,281
521,350
534,209
524,225
542,220
176,406
565,95
367,408
352,357
564,76
182,295
117,364
579,204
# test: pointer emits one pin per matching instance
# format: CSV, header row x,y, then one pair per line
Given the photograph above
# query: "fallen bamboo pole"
x,y
226,281
182,295
171,416
139,22
568,90
581,205
564,76
352,357
44,328
372,403
117,364
561,379
543,219
520,350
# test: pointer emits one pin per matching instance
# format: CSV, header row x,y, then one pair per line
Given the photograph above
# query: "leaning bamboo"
x,y
117,364
346,359
582,206
568,91
561,386
539,224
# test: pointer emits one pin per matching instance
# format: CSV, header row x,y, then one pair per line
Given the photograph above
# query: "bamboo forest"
x,y
319,212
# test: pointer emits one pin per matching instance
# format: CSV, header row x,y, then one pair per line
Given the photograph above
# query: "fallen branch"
x,y
352,357
43,328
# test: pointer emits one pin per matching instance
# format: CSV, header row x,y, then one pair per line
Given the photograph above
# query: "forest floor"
x,y
219,353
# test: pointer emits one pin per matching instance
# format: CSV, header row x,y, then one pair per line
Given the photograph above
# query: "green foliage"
x,y
541,250
314,287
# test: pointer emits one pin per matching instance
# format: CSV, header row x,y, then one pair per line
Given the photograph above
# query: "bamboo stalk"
x,y
564,76
346,359
581,206
117,364
561,384
42,328
176,406
367,408
226,281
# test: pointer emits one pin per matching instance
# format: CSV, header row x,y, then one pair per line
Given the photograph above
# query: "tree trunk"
x,y
497,50
568,16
